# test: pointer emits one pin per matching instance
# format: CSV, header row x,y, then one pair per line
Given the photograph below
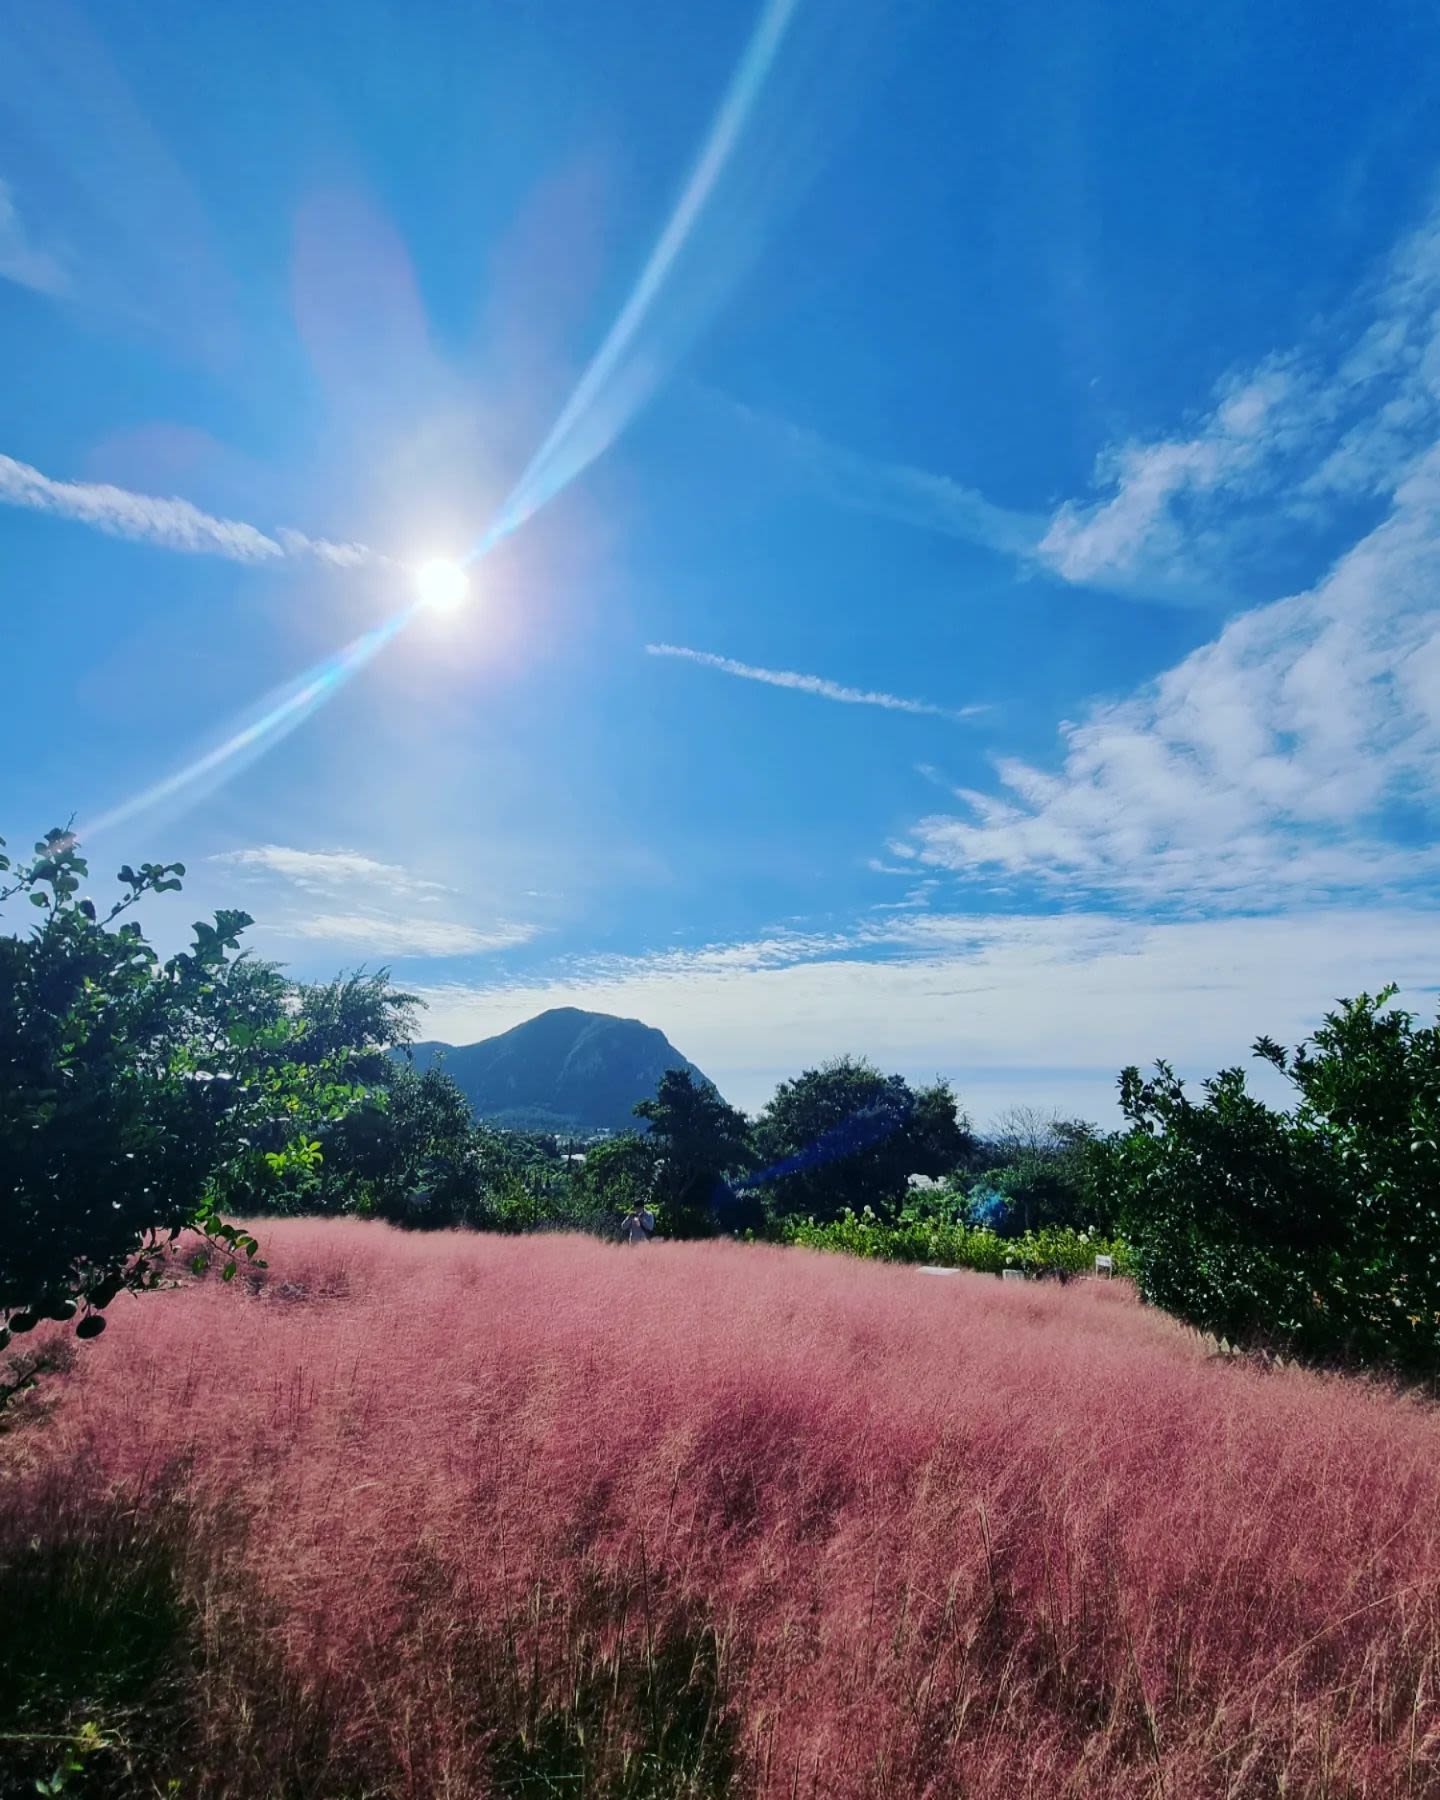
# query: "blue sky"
x,y
954,507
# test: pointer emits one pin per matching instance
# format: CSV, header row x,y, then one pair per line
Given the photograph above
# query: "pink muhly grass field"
x,y
464,1515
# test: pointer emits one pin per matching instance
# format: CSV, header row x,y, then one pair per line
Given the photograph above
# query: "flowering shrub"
x,y
948,1243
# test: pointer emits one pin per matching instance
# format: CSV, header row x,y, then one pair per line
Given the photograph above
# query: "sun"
x,y
441,585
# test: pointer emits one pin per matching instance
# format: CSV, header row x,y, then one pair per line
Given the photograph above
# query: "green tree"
x,y
349,1026
1043,1175
358,1018
699,1140
619,1173
410,1151
1317,1228
137,1098
846,1136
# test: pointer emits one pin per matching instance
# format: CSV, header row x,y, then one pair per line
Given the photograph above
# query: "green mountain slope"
x,y
564,1070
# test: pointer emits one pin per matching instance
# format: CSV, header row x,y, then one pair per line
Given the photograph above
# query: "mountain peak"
x,y
564,1070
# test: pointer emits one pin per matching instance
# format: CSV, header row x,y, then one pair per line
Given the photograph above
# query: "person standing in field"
x,y
638,1225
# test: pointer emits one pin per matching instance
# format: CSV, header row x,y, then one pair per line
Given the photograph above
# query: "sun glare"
x,y
442,586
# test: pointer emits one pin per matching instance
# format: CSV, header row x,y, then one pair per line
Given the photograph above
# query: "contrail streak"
x,y
172,523
818,685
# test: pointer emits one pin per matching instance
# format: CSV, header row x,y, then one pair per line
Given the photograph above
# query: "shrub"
x,y
950,1243
137,1098
1316,1229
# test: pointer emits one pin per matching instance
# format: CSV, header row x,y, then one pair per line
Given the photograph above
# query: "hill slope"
x,y
709,1513
562,1070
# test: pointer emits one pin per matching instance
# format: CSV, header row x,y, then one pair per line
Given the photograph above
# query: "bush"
x,y
952,1244
137,1098
1317,1229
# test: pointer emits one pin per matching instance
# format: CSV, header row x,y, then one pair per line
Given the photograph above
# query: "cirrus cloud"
x,y
172,524
818,685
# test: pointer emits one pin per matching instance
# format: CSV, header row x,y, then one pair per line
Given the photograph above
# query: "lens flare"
x,y
638,350
271,719
441,586
622,374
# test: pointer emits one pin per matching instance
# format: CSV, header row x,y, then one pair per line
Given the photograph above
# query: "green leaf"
x,y
91,1326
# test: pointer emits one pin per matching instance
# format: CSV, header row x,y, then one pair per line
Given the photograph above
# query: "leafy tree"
x,y
1043,1176
1318,1228
410,1147
348,1025
700,1139
359,1017
619,1172
137,1098
846,1136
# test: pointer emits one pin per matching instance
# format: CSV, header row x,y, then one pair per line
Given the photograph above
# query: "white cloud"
x,y
374,906
1270,765
171,523
1344,414
1338,415
1042,1008
1138,525
324,871
21,260
341,556
1296,757
395,934
813,684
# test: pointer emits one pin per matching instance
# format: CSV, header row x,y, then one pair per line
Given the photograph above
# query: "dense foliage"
x,y
844,1135
137,1098
1319,1227
1034,1170
938,1241
698,1140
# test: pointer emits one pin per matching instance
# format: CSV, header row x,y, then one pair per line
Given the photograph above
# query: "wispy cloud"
x,y
21,259
892,490
375,908
326,871
1343,414
394,934
171,523
1139,524
818,685
1169,518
